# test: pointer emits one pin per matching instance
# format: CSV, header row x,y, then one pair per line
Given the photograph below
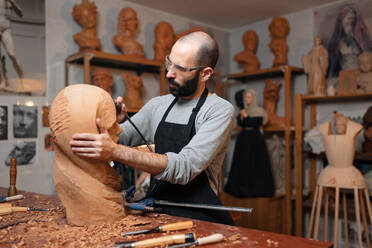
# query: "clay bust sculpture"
x,y
316,66
271,96
89,189
279,29
340,152
364,79
367,124
133,92
248,56
164,39
124,40
86,15
103,79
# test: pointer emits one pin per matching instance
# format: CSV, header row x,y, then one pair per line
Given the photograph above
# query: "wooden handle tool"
x,y
165,228
214,238
162,241
10,198
9,210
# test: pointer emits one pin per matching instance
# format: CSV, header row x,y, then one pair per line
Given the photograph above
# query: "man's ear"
x,y
206,74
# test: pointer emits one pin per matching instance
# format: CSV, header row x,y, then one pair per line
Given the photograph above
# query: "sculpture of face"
x,y
279,27
250,40
317,41
365,62
24,121
127,20
164,33
340,123
348,22
103,79
248,98
85,14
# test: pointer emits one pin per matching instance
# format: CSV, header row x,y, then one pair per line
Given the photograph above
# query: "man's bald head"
x,y
207,54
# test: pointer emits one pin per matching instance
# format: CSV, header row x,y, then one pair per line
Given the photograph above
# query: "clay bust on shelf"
x,y
86,15
279,29
316,66
367,124
89,189
124,40
364,79
271,96
133,92
340,152
248,56
164,39
103,79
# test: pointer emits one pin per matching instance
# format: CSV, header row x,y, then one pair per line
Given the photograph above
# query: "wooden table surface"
x,y
49,229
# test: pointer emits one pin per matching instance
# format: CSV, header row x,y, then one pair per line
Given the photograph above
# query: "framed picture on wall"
x,y
24,121
3,122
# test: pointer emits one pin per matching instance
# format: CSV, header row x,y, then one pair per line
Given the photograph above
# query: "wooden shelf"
x,y
337,98
265,73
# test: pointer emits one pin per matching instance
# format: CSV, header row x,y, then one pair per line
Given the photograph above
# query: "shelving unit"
x,y
301,100
110,60
286,72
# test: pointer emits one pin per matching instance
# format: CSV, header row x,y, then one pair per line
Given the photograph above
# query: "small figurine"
x,y
103,79
271,96
133,92
367,124
364,79
250,174
279,29
248,56
86,15
316,66
124,40
164,39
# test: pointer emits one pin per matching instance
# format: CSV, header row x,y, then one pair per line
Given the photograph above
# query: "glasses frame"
x,y
169,64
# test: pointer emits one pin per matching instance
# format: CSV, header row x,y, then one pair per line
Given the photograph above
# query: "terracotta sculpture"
x,y
86,15
88,188
45,116
277,160
316,66
164,39
103,79
133,92
248,56
279,29
124,40
367,124
364,79
271,96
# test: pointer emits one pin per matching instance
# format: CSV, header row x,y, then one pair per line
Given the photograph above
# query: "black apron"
x,y
171,137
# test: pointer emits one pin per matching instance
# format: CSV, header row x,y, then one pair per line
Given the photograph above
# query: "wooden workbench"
x,y
49,229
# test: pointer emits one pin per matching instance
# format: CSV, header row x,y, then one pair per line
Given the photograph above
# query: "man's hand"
x,y
120,115
99,146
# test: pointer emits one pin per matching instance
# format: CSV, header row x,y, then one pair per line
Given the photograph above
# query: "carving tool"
x,y
164,228
218,237
13,224
9,210
160,241
10,198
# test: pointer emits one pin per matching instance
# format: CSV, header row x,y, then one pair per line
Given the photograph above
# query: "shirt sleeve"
x,y
213,131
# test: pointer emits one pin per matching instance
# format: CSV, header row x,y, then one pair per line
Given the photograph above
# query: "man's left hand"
x,y
99,146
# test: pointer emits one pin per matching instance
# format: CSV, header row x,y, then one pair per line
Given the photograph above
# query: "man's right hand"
x,y
120,115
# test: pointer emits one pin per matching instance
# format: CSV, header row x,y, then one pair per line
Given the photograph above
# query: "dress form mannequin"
x,y
88,188
341,175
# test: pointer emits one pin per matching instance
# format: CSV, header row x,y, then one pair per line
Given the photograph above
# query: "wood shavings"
x,y
234,237
272,243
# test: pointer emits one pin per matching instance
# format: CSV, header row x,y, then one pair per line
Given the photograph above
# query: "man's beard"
x,y
185,90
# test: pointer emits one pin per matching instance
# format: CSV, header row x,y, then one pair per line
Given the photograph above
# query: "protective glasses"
x,y
169,66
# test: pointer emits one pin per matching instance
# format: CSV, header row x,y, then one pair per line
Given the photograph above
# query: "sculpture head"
x,y
164,33
348,20
271,90
340,123
132,81
365,62
103,79
85,14
127,20
279,27
250,96
317,41
250,40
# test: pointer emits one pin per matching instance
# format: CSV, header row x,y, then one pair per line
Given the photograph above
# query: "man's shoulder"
x,y
216,101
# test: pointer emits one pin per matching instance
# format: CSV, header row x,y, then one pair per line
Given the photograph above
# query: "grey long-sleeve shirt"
x,y
205,151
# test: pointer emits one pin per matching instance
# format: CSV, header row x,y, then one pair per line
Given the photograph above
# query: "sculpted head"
x,y
103,79
164,33
250,40
279,27
365,62
340,122
127,20
85,14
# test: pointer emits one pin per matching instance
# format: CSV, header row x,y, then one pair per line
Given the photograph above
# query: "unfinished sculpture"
x,y
364,79
103,79
271,96
124,40
367,124
86,15
133,92
316,66
248,56
279,29
164,39
89,189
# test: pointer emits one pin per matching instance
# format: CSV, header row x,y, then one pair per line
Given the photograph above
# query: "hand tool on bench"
x,y
164,228
214,238
10,198
9,210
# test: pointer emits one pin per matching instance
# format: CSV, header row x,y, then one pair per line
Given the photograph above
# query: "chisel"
x,y
9,210
10,198
203,206
160,241
218,237
164,228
